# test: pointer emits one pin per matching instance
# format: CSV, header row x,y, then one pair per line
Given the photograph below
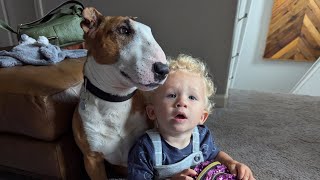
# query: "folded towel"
x,y
37,52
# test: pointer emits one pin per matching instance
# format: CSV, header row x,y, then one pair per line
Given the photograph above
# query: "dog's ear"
x,y
133,17
91,21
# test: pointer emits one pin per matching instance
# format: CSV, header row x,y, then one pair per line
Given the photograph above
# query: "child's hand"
x,y
242,171
184,175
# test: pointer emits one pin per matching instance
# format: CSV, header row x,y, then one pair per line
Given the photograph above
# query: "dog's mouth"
x,y
125,75
151,85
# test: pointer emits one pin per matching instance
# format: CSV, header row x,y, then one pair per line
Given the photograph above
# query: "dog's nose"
x,y
161,70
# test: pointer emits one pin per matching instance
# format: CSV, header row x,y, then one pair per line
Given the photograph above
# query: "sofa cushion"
x,y
59,159
38,101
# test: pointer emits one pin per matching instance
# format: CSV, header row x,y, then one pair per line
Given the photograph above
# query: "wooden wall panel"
x,y
294,31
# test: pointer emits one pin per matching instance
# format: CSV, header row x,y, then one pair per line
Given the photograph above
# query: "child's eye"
x,y
171,95
192,98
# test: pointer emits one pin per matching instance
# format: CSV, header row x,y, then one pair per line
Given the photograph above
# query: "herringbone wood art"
x,y
294,31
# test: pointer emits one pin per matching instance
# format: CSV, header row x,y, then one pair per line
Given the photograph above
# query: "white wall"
x,y
251,71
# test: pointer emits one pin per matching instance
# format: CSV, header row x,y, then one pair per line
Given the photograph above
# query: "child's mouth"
x,y
180,117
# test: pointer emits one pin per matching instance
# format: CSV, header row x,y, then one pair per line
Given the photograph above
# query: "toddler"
x,y
179,140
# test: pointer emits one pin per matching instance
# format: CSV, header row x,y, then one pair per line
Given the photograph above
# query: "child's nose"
x,y
181,103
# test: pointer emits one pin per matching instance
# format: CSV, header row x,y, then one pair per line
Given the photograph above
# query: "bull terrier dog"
x,y
123,60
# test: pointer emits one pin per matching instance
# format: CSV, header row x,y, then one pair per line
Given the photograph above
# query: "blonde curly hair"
x,y
194,65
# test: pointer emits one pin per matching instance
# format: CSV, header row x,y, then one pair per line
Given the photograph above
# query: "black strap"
x,y
5,26
104,95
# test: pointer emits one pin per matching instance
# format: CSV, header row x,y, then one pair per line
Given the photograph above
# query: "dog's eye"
x,y
124,30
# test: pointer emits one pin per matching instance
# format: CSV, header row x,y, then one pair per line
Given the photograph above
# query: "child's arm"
x,y
139,164
242,171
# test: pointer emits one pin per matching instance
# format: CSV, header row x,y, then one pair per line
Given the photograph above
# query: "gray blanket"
x,y
37,52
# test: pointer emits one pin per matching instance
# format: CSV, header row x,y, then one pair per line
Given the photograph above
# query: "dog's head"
x,y
126,44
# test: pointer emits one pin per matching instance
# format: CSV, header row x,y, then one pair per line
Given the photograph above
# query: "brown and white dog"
x,y
123,56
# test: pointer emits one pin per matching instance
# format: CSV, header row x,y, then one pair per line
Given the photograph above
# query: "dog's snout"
x,y
161,70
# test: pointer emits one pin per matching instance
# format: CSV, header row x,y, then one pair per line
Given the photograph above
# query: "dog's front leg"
x,y
93,161
94,164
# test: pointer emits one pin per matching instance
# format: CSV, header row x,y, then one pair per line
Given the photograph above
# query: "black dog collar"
x,y
103,95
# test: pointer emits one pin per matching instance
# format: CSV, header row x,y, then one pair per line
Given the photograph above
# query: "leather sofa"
x,y
36,109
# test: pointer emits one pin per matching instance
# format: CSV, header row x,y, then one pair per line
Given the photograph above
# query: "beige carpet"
x,y
277,135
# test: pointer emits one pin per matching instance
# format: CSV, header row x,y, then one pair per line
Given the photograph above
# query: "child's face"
x,y
179,104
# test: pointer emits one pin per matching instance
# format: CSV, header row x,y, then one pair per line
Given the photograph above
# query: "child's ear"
x,y
150,112
204,117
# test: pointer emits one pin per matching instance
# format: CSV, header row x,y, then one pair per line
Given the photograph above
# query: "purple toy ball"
x,y
209,170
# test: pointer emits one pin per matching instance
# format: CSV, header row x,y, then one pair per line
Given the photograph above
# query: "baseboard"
x,y
220,100
309,83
